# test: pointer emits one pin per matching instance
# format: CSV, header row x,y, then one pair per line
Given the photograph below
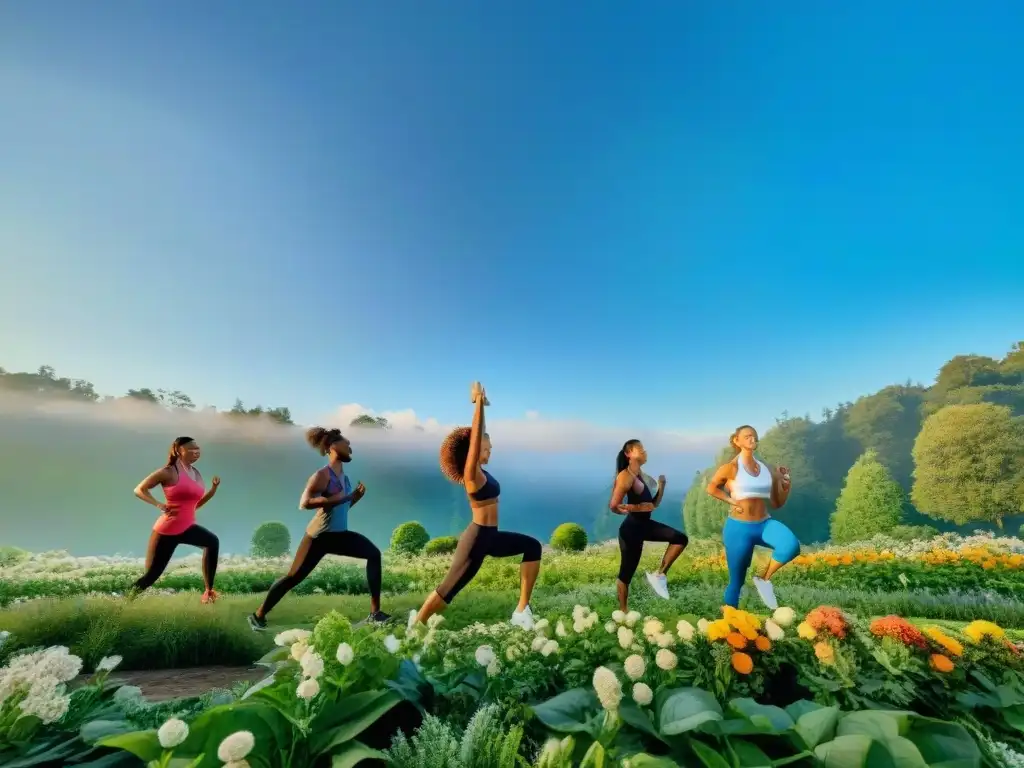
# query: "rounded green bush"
x,y
569,537
271,540
409,538
442,545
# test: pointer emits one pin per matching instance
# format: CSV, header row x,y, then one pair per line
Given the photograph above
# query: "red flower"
x,y
825,618
899,629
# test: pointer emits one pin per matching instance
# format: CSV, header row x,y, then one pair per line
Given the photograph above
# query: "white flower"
x,y
685,630
618,617
784,616
413,614
541,627
634,667
538,643
312,664
560,629
391,644
607,687
773,630
308,688
551,646
435,621
625,637
666,660
579,626
579,612
299,649
653,627
635,648
428,639
665,640
512,652
484,655
611,627
237,746
702,626
632,618
493,668
108,664
591,620
345,654
292,636
642,694
172,733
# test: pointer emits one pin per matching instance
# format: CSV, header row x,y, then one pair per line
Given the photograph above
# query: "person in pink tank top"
x,y
184,493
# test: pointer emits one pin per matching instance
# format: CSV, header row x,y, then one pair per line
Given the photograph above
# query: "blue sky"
x,y
680,218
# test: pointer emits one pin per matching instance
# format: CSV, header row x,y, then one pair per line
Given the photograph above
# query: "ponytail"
x,y
622,460
734,435
172,452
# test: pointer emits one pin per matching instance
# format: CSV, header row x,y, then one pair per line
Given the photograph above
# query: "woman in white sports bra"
x,y
752,485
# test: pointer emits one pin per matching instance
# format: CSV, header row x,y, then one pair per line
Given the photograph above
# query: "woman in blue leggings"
x,y
752,485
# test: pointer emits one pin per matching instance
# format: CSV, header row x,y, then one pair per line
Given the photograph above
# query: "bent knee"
x,y
532,552
787,551
680,538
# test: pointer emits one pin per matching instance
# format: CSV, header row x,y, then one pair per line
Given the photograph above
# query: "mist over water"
x,y
68,470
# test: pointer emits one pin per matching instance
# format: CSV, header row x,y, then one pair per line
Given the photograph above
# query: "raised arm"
x,y
780,487
162,476
660,493
312,495
471,473
716,488
210,493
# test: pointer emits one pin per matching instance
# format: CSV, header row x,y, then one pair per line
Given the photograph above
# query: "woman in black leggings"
x,y
463,455
330,493
632,497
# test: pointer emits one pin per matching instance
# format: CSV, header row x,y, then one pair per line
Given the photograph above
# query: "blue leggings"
x,y
740,538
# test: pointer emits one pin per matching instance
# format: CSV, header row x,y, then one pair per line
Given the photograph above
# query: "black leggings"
x,y
161,550
634,531
312,550
478,542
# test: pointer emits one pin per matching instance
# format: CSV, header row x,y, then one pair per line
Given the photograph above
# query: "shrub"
x,y
442,545
10,556
569,537
914,532
870,503
409,538
271,540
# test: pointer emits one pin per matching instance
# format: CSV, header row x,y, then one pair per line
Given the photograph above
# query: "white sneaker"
x,y
659,583
523,619
766,592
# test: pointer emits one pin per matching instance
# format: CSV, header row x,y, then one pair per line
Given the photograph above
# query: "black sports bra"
x,y
644,497
490,490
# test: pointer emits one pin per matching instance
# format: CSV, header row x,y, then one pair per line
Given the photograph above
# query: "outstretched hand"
x,y
476,391
784,478
215,482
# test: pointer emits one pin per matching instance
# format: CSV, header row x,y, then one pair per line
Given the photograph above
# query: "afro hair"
x,y
454,452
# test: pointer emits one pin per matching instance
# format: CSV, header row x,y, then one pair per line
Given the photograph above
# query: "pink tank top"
x,y
184,495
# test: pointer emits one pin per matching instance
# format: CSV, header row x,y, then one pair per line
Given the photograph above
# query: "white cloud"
x,y
532,432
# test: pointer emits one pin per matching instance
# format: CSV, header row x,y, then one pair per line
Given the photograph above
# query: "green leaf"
x,y
269,727
143,744
1014,717
944,745
749,754
568,712
774,718
353,753
798,709
643,760
877,725
708,756
632,715
274,657
95,730
687,708
905,753
325,741
24,729
845,751
817,726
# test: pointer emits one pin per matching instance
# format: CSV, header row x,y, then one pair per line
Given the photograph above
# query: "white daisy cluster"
x,y
583,619
1008,756
235,748
36,683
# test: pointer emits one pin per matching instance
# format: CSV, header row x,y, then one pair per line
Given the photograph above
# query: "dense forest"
x,y
949,455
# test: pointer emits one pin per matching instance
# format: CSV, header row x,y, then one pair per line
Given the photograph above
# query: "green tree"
x,y
1012,366
968,371
175,399
871,502
366,420
569,537
271,540
887,423
409,538
968,464
145,394
789,444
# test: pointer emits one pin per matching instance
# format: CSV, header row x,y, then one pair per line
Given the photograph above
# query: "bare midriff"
x,y
485,512
750,510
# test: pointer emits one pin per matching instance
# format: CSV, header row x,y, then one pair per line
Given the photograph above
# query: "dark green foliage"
x,y
913,532
271,540
442,545
409,538
569,537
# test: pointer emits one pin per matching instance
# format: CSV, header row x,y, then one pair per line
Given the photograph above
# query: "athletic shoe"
x,y
523,618
210,596
378,617
256,624
659,583
766,592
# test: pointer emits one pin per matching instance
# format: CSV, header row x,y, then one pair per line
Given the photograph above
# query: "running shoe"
x,y
378,617
256,624
523,618
766,592
210,596
659,583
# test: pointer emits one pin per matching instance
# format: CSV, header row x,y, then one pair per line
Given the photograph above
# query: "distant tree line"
x,y
950,454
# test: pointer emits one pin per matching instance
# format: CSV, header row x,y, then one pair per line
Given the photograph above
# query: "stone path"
x,y
162,684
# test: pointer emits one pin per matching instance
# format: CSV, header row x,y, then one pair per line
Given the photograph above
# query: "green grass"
x,y
173,631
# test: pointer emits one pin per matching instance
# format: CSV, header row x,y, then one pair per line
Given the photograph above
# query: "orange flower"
x,y
763,643
941,663
825,653
899,629
736,640
825,618
742,663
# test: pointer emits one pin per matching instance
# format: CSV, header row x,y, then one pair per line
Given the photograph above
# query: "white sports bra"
x,y
748,486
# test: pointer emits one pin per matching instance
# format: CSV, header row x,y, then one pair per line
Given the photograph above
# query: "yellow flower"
x,y
977,631
948,644
825,653
806,631
718,630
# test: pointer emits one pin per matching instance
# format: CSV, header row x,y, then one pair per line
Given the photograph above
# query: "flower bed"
x,y
584,689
